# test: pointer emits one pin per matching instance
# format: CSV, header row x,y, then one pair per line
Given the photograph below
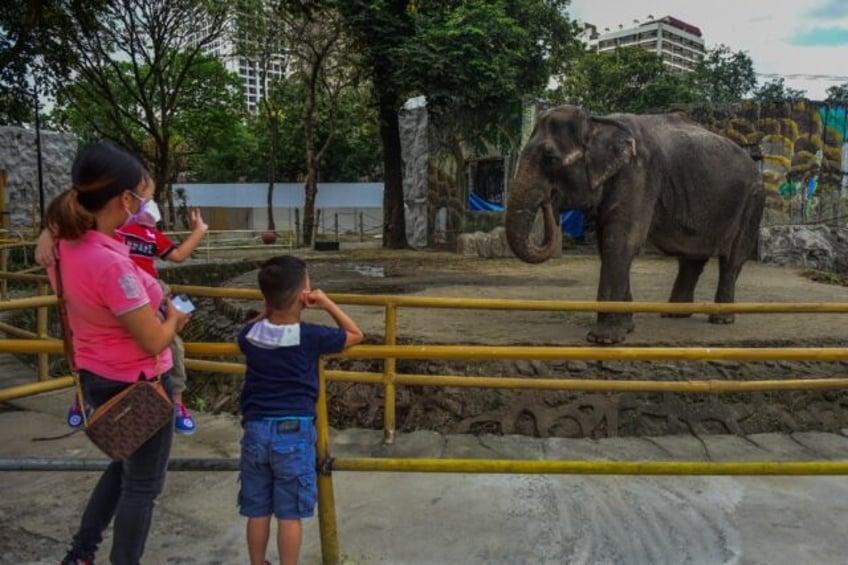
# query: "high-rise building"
x,y
228,50
679,44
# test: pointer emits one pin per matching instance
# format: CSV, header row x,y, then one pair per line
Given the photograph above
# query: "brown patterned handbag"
x,y
130,418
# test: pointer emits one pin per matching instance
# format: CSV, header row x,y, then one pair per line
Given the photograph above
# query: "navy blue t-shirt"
x,y
283,381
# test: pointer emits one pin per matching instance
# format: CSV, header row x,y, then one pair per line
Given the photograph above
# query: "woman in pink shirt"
x,y
118,337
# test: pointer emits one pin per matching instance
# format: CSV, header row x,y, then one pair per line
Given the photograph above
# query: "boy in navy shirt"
x,y
277,469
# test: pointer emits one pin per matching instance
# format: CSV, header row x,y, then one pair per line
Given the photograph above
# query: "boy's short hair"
x,y
281,280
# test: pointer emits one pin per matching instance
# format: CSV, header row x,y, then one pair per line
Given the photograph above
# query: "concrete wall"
x,y
18,157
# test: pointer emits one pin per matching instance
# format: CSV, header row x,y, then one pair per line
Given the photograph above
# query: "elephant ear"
x,y
611,146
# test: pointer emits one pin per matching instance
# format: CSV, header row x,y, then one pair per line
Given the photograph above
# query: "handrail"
x,y
390,352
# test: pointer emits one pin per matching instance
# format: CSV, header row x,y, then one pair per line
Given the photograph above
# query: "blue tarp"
x,y
570,220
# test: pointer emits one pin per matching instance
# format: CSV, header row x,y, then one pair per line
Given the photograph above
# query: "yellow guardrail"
x,y
390,352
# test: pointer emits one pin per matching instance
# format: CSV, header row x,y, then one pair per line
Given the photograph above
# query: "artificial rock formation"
x,y
812,246
19,160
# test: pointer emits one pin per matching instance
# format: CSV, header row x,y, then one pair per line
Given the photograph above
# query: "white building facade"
x,y
249,68
679,44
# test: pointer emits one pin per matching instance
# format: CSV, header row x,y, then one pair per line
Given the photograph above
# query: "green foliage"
x,y
472,59
210,140
81,108
724,76
33,53
777,91
476,63
626,80
132,64
354,153
210,118
838,94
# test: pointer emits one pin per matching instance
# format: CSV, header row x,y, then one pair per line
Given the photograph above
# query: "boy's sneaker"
x,y
183,422
75,419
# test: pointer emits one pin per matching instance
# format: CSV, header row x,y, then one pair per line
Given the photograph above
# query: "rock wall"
x,y
813,246
18,157
415,153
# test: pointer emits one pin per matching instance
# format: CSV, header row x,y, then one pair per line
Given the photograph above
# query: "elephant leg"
x,y
614,286
688,273
743,247
725,293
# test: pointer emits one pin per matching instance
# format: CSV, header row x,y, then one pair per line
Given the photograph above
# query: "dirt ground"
x,y
568,414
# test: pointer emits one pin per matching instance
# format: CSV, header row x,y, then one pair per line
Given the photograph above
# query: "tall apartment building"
x,y
679,44
226,49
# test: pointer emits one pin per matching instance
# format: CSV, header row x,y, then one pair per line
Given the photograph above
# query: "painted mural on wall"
x,y
803,150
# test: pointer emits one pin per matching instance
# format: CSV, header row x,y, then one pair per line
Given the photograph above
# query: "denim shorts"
x,y
277,469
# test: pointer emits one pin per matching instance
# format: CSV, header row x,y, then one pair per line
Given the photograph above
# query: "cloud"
x,y
830,9
820,37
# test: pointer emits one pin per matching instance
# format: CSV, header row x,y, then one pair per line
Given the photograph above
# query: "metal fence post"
x,y
330,553
389,372
4,223
41,329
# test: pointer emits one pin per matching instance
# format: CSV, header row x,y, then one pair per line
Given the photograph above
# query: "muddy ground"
x,y
566,414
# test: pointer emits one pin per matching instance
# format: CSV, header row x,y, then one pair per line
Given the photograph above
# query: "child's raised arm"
x,y
317,299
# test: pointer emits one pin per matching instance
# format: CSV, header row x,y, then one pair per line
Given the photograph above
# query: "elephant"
x,y
661,178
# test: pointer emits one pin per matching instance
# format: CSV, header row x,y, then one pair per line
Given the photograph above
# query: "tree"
x,y
144,50
354,153
724,76
625,80
317,43
776,91
471,53
838,94
211,140
33,57
210,117
262,42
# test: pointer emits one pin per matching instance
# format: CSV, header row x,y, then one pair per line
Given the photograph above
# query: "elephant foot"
x,y
609,335
721,318
674,315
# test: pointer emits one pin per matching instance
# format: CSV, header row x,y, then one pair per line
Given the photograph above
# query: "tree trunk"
x,y
394,220
272,173
311,191
162,178
311,187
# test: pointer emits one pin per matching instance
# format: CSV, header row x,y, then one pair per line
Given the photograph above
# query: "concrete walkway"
x,y
452,518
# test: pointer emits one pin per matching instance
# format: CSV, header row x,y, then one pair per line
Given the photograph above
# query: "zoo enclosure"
x,y
390,352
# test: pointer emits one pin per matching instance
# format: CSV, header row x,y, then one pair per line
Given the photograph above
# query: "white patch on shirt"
x,y
266,335
129,284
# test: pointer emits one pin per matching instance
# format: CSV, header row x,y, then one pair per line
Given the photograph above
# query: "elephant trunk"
x,y
521,211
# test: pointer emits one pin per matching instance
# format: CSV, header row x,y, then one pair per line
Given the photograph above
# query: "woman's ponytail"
x,y
66,218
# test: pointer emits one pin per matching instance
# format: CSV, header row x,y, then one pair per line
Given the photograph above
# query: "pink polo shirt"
x,y
101,283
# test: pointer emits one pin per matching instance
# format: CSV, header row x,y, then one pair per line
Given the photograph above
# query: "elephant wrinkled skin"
x,y
660,178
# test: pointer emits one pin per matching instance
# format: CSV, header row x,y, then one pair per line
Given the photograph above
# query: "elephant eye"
x,y
551,160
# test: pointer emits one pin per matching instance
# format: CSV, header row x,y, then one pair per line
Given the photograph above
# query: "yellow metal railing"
x,y
390,378
390,352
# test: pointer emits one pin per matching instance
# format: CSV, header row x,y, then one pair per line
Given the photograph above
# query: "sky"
x,y
783,37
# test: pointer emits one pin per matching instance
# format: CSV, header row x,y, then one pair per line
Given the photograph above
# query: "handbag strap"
x,y
68,342
67,335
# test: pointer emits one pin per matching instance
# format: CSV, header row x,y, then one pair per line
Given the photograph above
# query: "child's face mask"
x,y
150,216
